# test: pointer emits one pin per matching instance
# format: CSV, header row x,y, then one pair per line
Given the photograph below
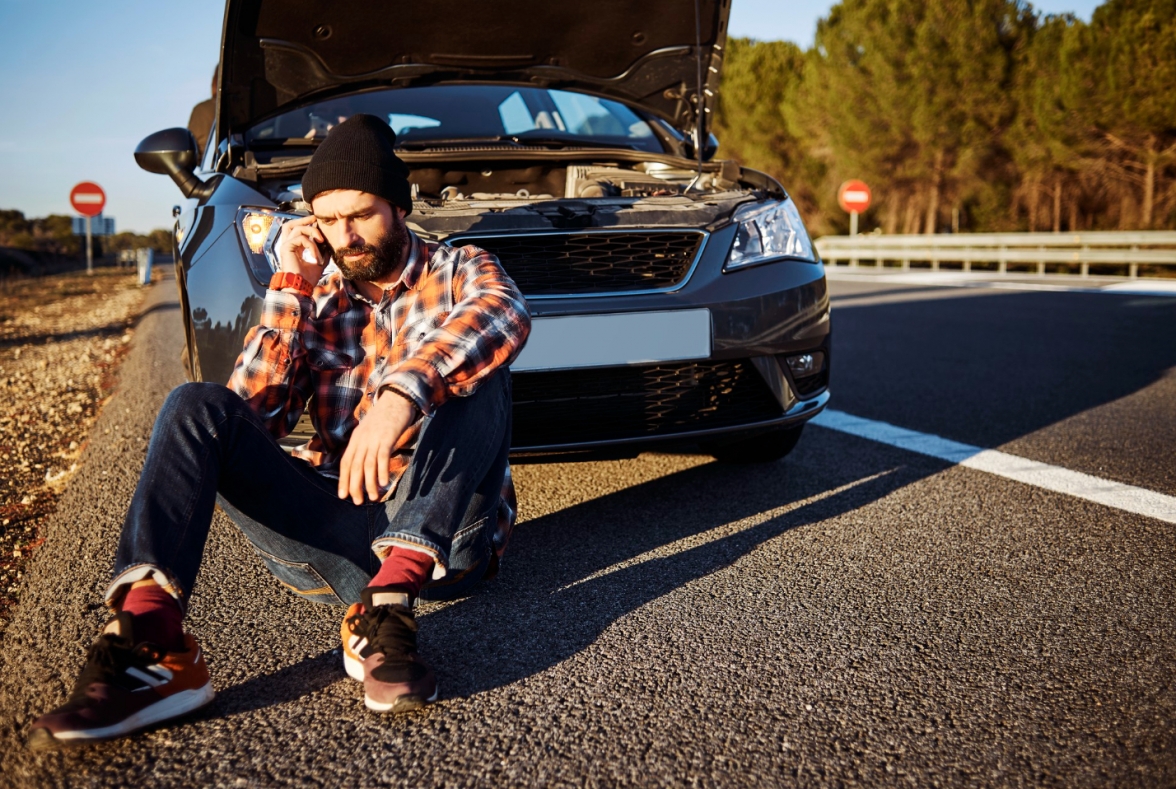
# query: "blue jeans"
x,y
208,446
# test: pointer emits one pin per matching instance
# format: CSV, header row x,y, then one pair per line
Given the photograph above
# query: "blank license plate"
x,y
572,341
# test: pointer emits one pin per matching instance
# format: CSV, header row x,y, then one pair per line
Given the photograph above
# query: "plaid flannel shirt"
x,y
452,319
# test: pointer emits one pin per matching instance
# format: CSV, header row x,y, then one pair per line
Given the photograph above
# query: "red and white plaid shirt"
x,y
452,318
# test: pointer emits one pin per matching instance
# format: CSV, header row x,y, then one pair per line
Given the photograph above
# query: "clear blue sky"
x,y
83,82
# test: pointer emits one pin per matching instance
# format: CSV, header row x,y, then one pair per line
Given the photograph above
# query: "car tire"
x,y
766,447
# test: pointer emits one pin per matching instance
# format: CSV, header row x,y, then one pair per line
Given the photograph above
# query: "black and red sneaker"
x,y
125,687
380,648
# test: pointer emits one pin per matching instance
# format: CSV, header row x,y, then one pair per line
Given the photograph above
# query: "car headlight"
x,y
769,232
258,229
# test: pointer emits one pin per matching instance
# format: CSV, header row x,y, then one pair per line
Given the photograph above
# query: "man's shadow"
x,y
561,585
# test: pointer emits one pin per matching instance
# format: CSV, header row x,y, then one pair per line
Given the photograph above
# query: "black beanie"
x,y
360,154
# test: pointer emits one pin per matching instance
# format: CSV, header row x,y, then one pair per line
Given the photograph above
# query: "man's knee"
x,y
197,400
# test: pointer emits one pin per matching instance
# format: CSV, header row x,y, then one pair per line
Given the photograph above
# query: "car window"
x,y
593,117
401,123
473,112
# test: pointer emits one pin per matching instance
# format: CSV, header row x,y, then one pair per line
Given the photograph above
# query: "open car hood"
x,y
278,54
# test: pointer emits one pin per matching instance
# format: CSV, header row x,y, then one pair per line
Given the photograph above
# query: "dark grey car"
x,y
675,296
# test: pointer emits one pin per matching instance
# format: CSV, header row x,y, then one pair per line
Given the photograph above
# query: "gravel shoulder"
x,y
61,338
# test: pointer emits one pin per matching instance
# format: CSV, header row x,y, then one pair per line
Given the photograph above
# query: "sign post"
x,y
853,197
88,199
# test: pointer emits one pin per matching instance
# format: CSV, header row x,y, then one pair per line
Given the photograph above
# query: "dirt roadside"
x,y
61,338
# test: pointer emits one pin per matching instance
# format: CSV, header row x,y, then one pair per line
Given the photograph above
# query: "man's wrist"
x,y
386,390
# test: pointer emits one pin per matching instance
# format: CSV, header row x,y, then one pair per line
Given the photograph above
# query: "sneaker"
x,y
125,687
380,650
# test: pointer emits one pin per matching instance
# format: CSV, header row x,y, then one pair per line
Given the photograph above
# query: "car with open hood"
x,y
675,296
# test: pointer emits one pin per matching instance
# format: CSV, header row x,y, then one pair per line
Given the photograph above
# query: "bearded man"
x,y
400,353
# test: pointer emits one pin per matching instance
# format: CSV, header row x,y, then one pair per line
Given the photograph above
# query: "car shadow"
x,y
571,574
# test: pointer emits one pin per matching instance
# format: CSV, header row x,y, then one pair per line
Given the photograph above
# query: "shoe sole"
x,y
402,704
173,706
354,669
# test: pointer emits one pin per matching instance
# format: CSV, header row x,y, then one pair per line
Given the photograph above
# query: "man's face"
x,y
366,232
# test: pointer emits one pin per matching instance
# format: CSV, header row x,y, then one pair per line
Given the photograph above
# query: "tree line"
x,y
969,115
53,236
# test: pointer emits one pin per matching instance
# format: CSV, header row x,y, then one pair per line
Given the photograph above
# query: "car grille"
x,y
557,264
606,404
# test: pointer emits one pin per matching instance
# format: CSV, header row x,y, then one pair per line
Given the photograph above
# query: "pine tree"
x,y
1118,73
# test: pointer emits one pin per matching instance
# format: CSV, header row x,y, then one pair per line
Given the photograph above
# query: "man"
x,y
401,354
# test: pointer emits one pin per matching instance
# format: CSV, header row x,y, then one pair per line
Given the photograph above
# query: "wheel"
x,y
763,447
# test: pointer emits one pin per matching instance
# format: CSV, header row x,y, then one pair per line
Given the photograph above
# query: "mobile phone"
x,y
325,250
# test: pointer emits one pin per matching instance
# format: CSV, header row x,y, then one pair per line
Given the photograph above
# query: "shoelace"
x,y
108,656
390,630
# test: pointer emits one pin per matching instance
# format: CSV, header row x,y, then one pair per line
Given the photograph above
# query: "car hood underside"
x,y
278,54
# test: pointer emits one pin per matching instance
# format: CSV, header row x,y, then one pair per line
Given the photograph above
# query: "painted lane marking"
x,y
1029,472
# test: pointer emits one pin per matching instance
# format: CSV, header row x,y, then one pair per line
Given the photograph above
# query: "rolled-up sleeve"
x,y
485,331
271,373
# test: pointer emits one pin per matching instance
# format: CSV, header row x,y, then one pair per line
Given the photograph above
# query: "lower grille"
x,y
554,264
575,406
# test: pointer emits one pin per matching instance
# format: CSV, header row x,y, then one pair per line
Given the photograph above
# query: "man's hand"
x,y
298,248
364,467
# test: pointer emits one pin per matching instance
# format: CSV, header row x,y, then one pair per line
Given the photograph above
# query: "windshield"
x,y
474,113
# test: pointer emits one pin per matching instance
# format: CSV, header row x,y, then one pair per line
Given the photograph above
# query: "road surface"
x,y
861,614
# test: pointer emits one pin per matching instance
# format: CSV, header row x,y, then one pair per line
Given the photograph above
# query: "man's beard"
x,y
379,259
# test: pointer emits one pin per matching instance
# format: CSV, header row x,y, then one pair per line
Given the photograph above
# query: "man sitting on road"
x,y
404,350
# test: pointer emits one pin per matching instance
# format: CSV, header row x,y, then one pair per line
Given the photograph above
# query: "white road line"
x,y
1030,472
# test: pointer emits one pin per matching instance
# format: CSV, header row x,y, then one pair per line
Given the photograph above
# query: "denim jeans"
x,y
208,446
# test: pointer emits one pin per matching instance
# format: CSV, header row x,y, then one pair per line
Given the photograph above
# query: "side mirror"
x,y
173,152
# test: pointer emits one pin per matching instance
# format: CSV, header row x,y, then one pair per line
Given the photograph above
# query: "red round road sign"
x,y
87,198
854,195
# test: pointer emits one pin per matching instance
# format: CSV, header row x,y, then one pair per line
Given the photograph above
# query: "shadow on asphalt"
x,y
560,589
309,675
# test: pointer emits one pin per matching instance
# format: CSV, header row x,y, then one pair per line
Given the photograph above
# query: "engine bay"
x,y
453,184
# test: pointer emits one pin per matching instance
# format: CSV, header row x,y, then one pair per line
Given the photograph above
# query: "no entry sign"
x,y
854,196
87,198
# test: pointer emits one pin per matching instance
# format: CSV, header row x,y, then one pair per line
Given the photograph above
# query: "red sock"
x,y
405,569
157,616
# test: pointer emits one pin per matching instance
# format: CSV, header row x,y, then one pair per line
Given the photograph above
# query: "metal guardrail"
x,y
1132,249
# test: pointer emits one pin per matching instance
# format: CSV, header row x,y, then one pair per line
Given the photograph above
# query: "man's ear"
x,y
400,212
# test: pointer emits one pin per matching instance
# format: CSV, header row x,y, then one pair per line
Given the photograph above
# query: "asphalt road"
x,y
856,615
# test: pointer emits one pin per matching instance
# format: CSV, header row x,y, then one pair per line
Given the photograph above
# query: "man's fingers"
x,y
370,473
355,483
383,456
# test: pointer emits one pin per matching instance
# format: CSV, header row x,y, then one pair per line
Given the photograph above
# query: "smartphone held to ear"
x,y
326,253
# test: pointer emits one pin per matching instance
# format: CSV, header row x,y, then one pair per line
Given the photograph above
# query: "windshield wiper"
x,y
421,144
